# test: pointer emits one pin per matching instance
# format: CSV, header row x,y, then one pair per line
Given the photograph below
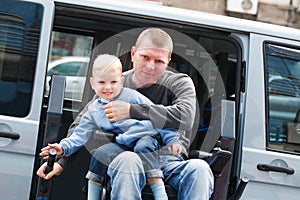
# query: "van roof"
x,y
190,16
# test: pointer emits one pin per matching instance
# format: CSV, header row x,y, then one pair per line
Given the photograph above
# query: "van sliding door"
x,y
23,53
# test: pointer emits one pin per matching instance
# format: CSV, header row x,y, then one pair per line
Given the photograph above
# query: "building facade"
x,y
283,12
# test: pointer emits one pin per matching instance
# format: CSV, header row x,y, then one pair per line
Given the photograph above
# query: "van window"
x,y
69,57
283,97
19,39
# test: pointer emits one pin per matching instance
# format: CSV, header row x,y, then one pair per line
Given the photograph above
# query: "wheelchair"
x,y
217,160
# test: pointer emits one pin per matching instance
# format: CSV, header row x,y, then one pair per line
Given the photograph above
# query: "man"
x,y
175,99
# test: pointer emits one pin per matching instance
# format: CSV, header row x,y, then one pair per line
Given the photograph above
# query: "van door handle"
x,y
11,135
268,167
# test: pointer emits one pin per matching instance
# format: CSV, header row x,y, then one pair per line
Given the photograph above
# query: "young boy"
x,y
135,135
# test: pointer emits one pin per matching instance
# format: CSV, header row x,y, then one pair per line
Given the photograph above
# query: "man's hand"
x,y
175,149
117,110
57,170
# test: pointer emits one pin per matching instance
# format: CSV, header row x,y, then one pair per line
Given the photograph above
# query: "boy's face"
x,y
107,83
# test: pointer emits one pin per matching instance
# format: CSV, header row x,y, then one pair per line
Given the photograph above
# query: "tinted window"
x,y
283,97
19,39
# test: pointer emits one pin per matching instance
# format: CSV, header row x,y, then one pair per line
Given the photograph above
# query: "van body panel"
x,y
42,58
276,192
16,174
270,185
25,128
254,129
18,155
264,184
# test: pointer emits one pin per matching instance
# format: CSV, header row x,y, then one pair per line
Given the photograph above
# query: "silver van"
x,y
253,66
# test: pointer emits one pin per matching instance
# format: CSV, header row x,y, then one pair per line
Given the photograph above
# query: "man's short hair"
x,y
158,37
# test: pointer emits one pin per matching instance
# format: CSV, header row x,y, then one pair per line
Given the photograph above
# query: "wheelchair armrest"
x,y
217,159
199,154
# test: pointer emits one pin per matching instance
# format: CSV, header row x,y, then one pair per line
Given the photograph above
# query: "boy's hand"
x,y
45,151
175,149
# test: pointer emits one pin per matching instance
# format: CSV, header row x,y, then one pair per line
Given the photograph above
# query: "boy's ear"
x,y
92,82
122,80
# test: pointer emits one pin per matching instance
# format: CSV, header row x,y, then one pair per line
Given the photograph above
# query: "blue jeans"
x,y
192,179
147,148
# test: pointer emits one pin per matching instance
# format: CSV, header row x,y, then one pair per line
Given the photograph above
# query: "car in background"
x,y
74,68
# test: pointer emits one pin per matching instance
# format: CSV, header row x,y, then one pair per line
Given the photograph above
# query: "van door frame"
x,y
85,10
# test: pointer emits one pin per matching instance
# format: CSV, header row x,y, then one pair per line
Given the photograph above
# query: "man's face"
x,y
148,65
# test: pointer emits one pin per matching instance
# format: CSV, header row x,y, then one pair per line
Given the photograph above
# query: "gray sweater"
x,y
174,97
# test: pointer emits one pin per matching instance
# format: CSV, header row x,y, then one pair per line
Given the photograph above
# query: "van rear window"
x,y
283,97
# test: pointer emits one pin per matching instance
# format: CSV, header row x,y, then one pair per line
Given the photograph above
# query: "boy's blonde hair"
x,y
106,61
158,37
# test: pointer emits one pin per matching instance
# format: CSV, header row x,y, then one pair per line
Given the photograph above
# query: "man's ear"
x,y
132,53
92,82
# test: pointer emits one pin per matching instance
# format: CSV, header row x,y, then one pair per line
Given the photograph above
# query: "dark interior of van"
x,y
214,64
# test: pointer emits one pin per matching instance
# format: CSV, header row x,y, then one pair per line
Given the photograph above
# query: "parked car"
x,y
74,68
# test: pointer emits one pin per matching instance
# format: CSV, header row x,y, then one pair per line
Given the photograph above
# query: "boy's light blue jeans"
x,y
147,148
192,179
